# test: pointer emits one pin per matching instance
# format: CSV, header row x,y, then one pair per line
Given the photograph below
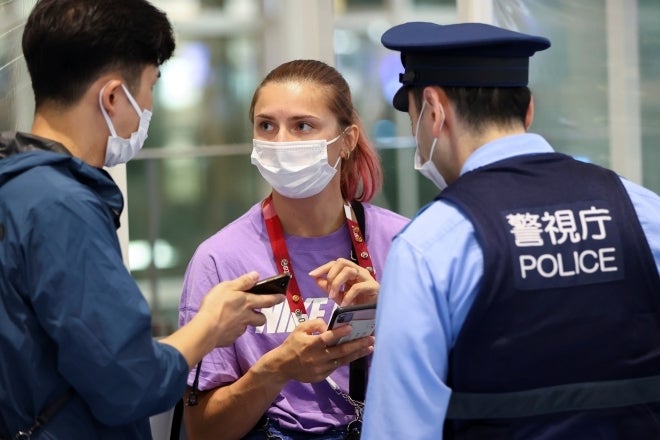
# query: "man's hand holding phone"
x,y
224,315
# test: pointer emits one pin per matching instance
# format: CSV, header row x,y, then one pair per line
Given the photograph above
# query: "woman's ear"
x,y
352,134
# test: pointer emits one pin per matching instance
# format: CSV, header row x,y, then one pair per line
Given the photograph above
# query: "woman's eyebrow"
x,y
292,118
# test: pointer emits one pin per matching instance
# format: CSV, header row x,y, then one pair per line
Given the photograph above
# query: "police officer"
x,y
524,301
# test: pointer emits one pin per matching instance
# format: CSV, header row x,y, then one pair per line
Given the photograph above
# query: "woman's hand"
x,y
346,283
309,353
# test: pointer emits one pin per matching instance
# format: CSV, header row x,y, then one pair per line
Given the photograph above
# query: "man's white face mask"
x,y
296,170
120,150
428,168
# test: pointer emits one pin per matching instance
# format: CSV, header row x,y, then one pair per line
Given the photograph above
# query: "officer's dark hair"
x,y
68,44
479,107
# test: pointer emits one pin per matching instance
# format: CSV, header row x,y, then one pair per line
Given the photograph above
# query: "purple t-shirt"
x,y
243,246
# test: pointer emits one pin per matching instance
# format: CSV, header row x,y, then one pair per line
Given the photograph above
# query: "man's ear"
x,y
437,106
109,92
529,116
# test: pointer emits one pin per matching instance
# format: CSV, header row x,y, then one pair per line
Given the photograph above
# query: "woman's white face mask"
x,y
296,170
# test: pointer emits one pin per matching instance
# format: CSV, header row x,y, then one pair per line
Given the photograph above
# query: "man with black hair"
x,y
524,301
79,360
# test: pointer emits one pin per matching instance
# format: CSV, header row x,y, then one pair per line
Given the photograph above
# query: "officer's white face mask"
x,y
295,169
428,168
121,150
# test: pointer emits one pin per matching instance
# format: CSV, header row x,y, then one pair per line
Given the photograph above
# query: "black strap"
x,y
560,398
46,414
358,368
177,418
192,395
191,400
357,371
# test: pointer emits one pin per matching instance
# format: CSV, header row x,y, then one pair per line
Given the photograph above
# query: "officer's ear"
x,y
430,96
529,116
437,104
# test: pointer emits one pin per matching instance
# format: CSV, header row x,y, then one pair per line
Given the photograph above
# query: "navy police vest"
x,y
563,339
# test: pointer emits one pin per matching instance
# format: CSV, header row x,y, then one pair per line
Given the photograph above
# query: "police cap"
x,y
460,55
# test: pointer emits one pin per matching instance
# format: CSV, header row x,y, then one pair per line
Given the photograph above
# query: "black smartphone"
x,y
274,284
362,319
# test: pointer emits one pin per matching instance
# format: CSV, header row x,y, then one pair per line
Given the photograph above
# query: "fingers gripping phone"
x,y
362,319
274,284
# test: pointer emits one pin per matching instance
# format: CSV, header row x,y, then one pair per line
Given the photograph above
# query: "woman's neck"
x,y
315,216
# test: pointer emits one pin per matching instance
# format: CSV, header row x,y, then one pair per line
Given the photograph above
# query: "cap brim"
x,y
400,100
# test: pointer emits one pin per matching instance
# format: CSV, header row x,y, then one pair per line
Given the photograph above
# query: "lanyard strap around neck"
x,y
283,261
359,253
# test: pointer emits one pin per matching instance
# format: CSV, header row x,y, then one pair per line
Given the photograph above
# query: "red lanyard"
x,y
359,243
283,261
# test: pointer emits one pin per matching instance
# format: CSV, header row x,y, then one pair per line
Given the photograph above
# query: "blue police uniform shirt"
x,y
426,294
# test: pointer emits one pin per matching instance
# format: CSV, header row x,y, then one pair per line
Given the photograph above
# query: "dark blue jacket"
x,y
71,316
563,339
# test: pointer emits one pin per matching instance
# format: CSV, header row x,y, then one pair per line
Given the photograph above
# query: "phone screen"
x,y
362,319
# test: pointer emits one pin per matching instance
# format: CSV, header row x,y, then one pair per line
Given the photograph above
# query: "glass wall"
x,y
194,175
648,33
16,103
560,77
596,88
598,83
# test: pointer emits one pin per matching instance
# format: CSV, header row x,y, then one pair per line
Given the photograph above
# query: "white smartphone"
x,y
362,319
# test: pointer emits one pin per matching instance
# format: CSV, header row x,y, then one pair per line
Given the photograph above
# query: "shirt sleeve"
x,y
423,302
647,208
88,303
220,366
